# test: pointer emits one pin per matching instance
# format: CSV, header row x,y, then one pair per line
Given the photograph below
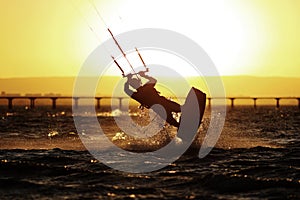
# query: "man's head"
x,y
135,83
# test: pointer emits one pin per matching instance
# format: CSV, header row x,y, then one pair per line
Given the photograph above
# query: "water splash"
x,y
52,134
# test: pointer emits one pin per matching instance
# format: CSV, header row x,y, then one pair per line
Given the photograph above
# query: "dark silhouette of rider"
x,y
148,96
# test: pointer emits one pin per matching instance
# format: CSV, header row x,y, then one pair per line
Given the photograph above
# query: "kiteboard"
x,y
194,106
192,112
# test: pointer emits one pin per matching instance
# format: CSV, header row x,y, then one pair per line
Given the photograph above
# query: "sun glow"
x,y
53,38
224,29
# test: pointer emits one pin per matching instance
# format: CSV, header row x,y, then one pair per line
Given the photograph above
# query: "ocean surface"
x,y
256,157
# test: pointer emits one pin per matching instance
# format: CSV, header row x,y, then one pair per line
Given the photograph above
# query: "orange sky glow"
x,y
51,37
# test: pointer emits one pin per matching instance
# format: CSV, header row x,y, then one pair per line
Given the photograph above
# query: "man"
x,y
148,96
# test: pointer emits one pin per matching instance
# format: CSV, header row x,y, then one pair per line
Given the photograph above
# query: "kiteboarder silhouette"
x,y
149,97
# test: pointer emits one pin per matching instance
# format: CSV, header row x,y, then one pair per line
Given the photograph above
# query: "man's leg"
x,y
172,106
166,114
170,119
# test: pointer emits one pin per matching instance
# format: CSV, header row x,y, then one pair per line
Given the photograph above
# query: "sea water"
x,y
256,157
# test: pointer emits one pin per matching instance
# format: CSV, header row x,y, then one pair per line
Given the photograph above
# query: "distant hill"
x,y
234,85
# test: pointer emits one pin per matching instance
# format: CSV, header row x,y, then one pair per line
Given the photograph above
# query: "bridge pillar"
x,y
277,102
32,99
98,102
75,101
209,102
120,103
53,102
254,101
10,103
232,102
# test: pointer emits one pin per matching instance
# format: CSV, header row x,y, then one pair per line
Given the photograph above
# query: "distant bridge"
x,y
55,98
98,99
277,100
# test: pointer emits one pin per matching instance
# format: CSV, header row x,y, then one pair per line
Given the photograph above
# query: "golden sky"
x,y
243,37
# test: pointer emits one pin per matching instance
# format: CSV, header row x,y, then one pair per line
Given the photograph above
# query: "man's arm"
x,y
151,79
128,91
